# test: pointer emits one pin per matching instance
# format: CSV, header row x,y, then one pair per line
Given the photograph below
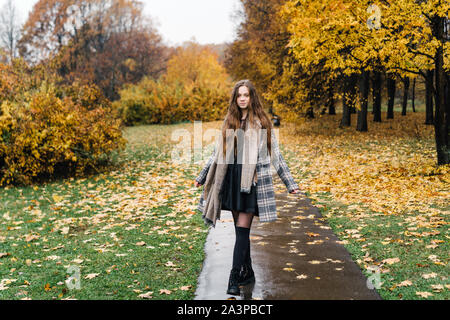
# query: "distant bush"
x,y
195,87
151,102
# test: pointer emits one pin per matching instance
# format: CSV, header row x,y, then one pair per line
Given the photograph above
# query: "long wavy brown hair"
x,y
255,111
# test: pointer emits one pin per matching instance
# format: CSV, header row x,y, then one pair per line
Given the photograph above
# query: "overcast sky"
x,y
209,21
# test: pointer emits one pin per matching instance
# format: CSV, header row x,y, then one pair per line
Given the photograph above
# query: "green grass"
x,y
384,237
106,215
409,247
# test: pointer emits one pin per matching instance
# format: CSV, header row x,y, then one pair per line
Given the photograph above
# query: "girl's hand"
x,y
197,184
295,191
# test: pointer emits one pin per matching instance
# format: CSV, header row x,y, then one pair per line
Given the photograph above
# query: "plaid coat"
x,y
264,188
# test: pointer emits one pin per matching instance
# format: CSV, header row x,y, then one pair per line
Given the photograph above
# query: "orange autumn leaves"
x,y
381,173
109,42
195,87
149,294
387,174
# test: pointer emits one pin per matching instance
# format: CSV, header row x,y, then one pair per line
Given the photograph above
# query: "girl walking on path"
x,y
243,183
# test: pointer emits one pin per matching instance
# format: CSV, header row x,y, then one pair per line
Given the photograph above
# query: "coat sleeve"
x,y
280,166
202,176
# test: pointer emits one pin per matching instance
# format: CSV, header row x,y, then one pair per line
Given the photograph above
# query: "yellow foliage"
x,y
381,174
340,32
195,66
53,132
195,87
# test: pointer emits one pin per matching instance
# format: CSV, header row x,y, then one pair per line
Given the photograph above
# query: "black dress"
x,y
232,197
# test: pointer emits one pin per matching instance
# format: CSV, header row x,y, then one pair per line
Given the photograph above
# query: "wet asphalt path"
x,y
297,257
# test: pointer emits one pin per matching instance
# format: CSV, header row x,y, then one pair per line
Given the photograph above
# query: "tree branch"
x,y
418,52
420,72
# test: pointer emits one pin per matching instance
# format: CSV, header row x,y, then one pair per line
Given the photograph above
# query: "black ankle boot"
x,y
233,286
247,275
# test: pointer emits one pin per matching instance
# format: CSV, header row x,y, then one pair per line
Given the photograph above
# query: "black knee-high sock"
x,y
241,247
248,259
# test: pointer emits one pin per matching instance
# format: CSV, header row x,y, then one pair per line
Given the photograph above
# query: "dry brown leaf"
x,y
391,260
147,295
185,288
404,283
437,287
31,237
429,275
424,294
52,258
164,291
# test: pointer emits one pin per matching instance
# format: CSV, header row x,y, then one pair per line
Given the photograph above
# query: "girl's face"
x,y
243,97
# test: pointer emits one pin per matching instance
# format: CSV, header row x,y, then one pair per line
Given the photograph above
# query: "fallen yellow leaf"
x,y
288,269
57,198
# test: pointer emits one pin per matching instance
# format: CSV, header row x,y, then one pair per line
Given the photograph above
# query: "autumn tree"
x,y
194,65
406,44
422,42
259,50
9,29
323,42
195,87
109,42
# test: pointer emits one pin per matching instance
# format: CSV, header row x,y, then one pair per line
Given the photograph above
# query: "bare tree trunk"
x,y
376,109
361,124
405,95
442,111
429,117
391,96
309,113
9,29
348,100
331,105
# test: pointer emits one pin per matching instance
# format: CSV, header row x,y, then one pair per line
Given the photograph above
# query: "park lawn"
x,y
130,233
134,232
383,195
